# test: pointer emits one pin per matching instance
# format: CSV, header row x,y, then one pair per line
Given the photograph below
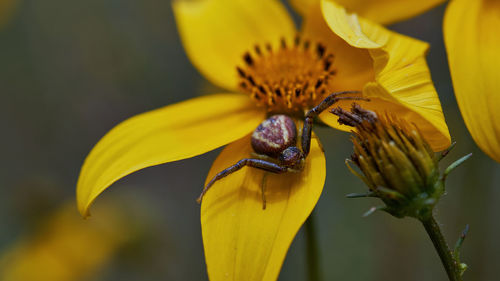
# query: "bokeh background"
x,y
71,70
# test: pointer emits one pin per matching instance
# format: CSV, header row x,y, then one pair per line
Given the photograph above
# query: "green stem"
x,y
451,265
313,266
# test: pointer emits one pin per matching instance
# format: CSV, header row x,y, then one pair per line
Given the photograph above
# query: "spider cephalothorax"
x,y
275,142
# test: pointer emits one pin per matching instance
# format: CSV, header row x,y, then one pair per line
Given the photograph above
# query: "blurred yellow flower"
x,y
251,47
65,247
6,10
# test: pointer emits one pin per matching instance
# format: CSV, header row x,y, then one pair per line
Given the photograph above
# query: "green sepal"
x,y
455,165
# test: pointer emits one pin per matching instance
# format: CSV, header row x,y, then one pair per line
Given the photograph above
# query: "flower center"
x,y
291,78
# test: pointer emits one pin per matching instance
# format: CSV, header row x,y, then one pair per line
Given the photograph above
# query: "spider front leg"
x,y
255,163
315,111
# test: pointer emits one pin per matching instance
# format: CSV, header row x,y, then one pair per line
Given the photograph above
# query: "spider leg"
x,y
255,163
263,186
315,111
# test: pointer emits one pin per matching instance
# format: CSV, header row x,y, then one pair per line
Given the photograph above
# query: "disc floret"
x,y
287,79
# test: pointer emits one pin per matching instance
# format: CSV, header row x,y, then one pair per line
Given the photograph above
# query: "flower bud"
x,y
397,163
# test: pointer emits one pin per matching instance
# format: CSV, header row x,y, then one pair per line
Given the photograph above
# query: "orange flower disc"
x,y
290,79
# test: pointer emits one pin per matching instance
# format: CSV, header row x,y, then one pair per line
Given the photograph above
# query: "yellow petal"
x,y
402,84
473,44
353,66
216,33
381,11
164,135
347,26
303,6
388,11
241,240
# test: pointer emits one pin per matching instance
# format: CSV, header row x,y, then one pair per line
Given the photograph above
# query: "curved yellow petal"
x,y
473,44
388,11
381,11
216,33
353,66
347,27
164,135
241,240
402,83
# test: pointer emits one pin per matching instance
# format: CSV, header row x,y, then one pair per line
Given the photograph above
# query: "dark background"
x,y
71,70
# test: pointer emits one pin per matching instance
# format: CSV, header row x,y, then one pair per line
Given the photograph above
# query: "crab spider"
x,y
276,138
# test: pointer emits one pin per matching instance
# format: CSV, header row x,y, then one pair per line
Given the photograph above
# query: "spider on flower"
x,y
275,143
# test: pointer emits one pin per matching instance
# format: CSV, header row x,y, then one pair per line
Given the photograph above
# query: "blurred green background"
x,y
71,70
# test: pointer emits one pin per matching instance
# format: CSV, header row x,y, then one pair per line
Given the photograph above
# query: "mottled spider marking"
x,y
274,135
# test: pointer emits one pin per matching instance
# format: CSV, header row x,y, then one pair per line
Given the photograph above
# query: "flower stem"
x,y
313,266
451,265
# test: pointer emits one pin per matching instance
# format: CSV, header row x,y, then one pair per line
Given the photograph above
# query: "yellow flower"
x,y
251,47
65,248
472,44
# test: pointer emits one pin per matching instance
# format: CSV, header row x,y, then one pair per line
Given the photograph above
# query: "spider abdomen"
x,y
274,135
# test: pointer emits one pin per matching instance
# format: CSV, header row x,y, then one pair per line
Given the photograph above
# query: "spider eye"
x,y
291,157
274,135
